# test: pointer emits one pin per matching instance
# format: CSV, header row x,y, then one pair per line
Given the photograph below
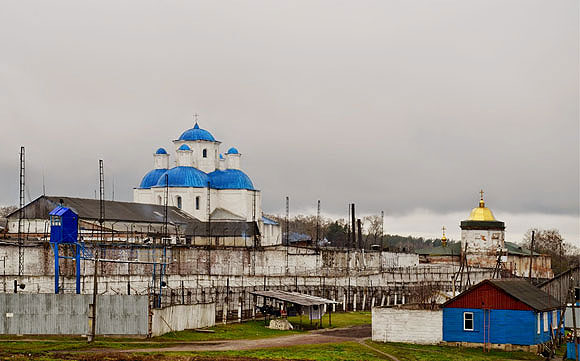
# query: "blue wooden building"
x,y
501,312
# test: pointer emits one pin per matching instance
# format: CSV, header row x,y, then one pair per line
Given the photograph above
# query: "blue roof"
x,y
233,150
230,179
221,156
184,147
161,151
183,177
60,210
150,179
196,133
267,220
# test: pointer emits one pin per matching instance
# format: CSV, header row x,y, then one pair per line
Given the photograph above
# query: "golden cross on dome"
x,y
195,115
443,229
481,193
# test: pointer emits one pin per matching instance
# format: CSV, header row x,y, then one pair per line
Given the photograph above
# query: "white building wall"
x,y
482,241
393,324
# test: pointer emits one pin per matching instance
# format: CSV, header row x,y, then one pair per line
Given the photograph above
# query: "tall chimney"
x,y
358,223
353,226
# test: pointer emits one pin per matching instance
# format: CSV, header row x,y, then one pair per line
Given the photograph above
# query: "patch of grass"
x,y
325,352
257,329
411,352
339,320
234,331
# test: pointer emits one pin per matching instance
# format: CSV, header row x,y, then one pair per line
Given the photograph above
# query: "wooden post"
x,y
330,316
575,333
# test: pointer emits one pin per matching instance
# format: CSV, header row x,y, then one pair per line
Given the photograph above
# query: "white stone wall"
x,y
482,241
393,324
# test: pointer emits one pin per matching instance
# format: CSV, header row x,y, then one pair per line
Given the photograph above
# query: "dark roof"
x,y
88,209
455,249
221,229
514,248
451,249
522,291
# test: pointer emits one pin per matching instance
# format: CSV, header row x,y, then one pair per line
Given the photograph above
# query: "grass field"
x,y
356,351
43,349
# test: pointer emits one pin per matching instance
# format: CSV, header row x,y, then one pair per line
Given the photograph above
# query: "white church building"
x,y
208,185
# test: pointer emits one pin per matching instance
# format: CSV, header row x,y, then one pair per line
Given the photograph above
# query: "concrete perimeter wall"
x,y
393,324
182,317
68,314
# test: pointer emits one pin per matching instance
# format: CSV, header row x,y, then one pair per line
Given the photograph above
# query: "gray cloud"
x,y
392,105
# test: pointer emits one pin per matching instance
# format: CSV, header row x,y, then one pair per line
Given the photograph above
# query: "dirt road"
x,y
315,337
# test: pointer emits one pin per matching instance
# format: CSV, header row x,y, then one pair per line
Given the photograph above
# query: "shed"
x,y
501,312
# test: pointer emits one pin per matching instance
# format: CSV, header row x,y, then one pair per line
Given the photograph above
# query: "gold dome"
x,y
481,213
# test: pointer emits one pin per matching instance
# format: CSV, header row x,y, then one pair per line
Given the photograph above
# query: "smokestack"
x,y
358,223
353,226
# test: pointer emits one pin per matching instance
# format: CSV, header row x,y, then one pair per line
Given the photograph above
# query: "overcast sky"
x,y
404,106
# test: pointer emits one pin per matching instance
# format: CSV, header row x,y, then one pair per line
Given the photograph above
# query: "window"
x,y
204,153
545,321
554,319
468,321
179,202
538,323
159,200
55,221
197,202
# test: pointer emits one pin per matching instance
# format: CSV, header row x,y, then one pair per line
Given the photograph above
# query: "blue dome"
x,y
183,177
184,147
230,179
161,151
151,178
233,150
196,133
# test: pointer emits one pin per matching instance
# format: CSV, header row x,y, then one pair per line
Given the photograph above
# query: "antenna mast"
x,y
21,216
101,197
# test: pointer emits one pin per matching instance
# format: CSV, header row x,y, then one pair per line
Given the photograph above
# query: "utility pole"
x,y
531,256
96,250
318,226
21,215
382,230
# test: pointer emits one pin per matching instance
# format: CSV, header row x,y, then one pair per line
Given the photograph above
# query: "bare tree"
x,y
550,242
6,210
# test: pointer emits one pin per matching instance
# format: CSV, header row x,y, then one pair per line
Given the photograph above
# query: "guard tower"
x,y
64,230
64,225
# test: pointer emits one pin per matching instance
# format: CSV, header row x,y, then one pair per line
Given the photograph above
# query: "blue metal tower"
x,y
64,230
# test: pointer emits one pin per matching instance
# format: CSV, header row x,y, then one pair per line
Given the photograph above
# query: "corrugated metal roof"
x,y
294,297
221,229
527,293
88,209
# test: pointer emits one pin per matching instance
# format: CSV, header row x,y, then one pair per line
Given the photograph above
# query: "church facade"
x,y
206,184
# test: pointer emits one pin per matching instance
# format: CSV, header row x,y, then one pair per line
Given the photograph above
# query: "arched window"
x,y
197,202
159,199
179,202
204,153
